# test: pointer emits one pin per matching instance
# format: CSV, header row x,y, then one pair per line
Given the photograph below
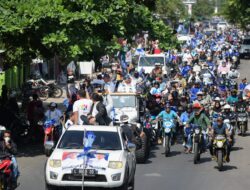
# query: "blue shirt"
x,y
184,117
168,116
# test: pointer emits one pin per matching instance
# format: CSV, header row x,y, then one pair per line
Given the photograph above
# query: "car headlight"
x,y
55,163
115,165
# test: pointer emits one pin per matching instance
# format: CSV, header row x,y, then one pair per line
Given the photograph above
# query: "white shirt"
x,y
95,111
83,107
126,88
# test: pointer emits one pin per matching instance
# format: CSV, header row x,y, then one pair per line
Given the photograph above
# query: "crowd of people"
x,y
201,87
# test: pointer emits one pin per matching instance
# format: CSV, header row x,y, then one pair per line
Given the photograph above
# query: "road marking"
x,y
153,175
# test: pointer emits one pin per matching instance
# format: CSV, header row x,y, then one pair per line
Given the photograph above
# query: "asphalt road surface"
x,y
176,172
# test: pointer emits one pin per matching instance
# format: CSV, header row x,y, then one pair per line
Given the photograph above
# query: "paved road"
x,y
176,172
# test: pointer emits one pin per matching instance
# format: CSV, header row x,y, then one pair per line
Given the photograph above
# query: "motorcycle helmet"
x,y
217,99
219,118
227,106
52,105
197,105
124,118
167,105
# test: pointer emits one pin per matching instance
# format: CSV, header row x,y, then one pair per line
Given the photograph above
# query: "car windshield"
x,y
246,41
124,101
104,140
150,61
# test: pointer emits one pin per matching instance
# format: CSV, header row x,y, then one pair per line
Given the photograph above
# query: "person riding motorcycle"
x,y
168,115
184,118
55,114
227,113
219,128
233,98
7,146
233,73
199,119
241,107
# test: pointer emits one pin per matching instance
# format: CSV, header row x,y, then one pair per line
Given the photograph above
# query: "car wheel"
x,y
132,184
125,185
141,154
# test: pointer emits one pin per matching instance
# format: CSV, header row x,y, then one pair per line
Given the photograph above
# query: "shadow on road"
x,y
173,153
227,168
30,151
204,160
236,148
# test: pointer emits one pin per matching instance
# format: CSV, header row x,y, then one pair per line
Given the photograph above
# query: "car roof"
x,y
153,55
93,128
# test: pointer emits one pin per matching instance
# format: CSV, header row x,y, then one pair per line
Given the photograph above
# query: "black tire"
x,y
132,184
125,184
141,154
43,93
57,92
50,187
242,130
147,133
196,153
167,146
2,182
220,159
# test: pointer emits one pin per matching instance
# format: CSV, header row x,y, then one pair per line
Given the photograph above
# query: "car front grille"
x,y
97,178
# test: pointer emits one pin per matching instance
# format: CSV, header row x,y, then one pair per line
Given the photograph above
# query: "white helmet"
x,y
217,99
227,106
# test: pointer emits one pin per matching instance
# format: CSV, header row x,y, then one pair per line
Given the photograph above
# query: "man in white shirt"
x,y
81,106
127,86
108,84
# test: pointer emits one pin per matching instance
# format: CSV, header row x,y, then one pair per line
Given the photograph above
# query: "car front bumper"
x,y
103,179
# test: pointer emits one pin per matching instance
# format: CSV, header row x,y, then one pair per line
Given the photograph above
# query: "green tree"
x,y
203,9
76,29
238,12
173,10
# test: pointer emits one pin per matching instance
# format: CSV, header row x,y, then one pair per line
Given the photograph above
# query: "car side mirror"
x,y
49,147
131,147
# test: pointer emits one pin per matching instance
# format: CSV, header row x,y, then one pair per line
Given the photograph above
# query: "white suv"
x,y
245,47
110,162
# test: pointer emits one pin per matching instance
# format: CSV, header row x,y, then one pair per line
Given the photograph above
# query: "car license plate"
x,y
87,172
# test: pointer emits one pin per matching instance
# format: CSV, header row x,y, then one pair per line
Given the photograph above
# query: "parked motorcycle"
x,y
219,150
168,126
28,89
6,182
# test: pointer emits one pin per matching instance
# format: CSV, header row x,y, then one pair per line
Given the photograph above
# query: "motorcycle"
x,y
197,138
20,128
219,150
6,178
28,89
54,90
231,129
242,118
49,126
168,126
